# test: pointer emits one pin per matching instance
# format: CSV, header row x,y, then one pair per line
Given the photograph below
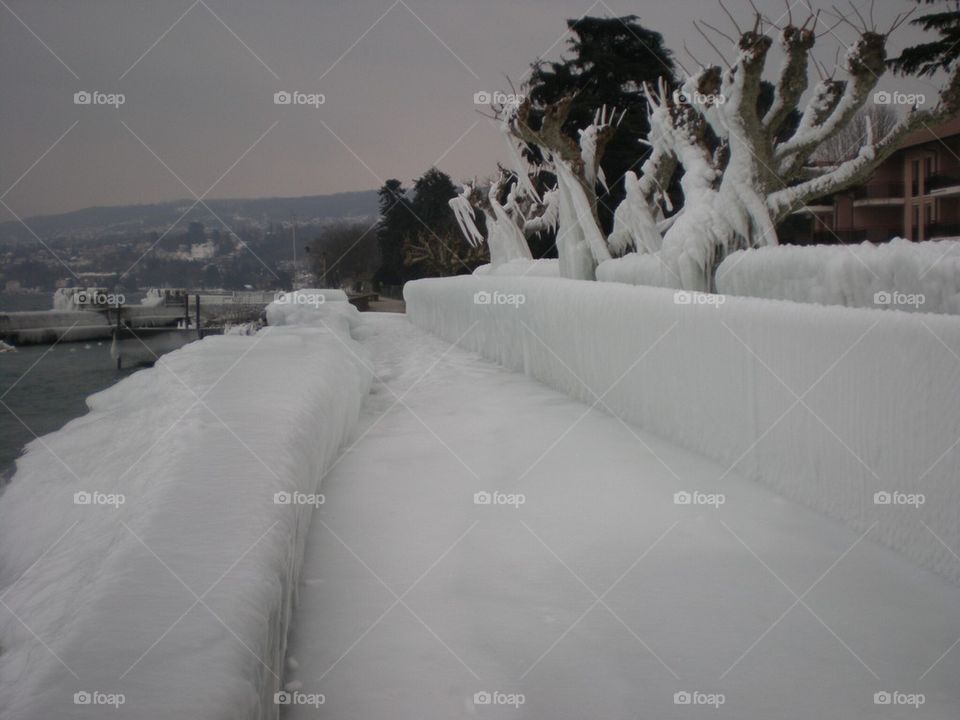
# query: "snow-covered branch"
x,y
796,43
871,154
866,62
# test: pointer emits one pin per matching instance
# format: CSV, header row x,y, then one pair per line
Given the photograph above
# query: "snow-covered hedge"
x,y
639,269
900,275
828,405
151,548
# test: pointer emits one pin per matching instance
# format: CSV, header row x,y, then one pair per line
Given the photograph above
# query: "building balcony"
x,y
843,237
939,182
942,230
878,234
940,186
879,191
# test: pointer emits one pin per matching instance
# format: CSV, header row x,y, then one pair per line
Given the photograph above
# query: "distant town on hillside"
x,y
224,243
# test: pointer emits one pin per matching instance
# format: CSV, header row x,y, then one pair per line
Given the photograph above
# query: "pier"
x,y
165,320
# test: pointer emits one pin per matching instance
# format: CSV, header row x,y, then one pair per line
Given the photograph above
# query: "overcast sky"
x,y
199,80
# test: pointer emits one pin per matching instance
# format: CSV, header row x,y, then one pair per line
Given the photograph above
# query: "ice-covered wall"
x,y
544,267
828,405
173,584
901,275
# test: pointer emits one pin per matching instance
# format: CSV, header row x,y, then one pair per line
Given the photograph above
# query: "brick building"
x,y
914,194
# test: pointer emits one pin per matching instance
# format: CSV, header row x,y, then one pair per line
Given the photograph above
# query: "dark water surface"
x,y
42,387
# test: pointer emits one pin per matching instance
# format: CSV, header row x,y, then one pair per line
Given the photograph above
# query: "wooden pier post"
x,y
116,339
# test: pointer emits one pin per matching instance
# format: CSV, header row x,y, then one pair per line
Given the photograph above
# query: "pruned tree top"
x,y
745,150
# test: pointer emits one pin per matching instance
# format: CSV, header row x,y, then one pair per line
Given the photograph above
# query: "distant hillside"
x,y
127,219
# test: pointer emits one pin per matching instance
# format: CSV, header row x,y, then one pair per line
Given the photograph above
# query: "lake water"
x,y
46,386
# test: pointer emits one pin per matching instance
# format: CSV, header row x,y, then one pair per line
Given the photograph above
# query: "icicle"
x,y
463,211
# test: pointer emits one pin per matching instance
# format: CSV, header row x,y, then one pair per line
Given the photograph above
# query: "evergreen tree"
x,y
432,194
393,228
930,57
611,59
435,245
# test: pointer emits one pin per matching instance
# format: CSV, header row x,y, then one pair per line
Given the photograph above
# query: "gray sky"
x,y
199,78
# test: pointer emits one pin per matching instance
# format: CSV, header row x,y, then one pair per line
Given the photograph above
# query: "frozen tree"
x,y
608,60
504,221
581,244
430,254
740,172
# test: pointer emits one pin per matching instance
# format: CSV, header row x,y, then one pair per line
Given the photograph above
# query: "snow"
x,y
589,141
680,253
580,242
586,587
27,319
826,405
634,225
549,216
304,296
900,275
544,267
639,268
64,299
463,212
505,239
597,597
174,585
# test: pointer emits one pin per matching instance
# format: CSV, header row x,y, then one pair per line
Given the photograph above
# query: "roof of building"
x,y
927,134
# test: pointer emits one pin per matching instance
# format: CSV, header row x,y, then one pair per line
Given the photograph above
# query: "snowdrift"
x,y
901,275
851,412
151,548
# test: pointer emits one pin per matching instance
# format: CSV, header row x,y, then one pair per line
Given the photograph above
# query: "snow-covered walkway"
x,y
598,596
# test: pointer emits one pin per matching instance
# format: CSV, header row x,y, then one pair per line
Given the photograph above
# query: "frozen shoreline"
x,y
170,578
174,578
